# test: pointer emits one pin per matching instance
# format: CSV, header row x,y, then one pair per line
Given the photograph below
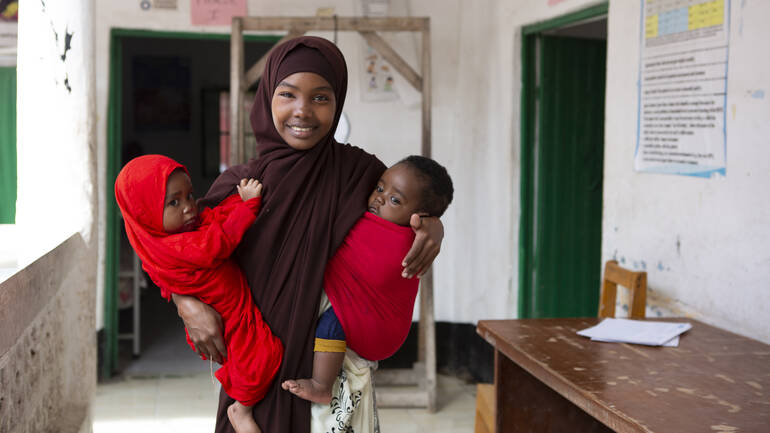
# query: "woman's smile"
x,y
302,131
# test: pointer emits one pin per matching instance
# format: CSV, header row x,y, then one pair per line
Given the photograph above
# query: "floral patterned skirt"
x,y
353,408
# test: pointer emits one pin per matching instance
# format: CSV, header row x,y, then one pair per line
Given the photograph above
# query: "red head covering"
x,y
311,199
140,191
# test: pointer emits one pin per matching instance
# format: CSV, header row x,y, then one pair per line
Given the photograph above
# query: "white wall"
x,y
476,93
705,243
55,129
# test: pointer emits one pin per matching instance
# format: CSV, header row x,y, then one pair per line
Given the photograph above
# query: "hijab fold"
x,y
311,199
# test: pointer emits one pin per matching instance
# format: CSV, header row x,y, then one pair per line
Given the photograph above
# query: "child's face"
x,y
180,213
397,195
303,108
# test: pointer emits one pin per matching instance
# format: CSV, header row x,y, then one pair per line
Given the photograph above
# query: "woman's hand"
x,y
427,243
204,325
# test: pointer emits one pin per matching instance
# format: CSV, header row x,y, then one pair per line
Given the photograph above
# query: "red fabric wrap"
x,y
197,263
363,281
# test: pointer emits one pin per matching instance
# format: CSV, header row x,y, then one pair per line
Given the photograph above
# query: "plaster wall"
x,y
55,127
703,242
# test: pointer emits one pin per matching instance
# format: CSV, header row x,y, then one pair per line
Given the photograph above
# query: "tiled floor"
x,y
169,389
186,404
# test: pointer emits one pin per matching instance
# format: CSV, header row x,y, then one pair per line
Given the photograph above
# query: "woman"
x,y
314,191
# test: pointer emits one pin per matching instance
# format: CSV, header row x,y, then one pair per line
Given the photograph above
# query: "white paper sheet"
x,y
637,332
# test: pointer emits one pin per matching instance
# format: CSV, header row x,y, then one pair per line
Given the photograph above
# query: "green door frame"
x,y
530,93
114,152
8,160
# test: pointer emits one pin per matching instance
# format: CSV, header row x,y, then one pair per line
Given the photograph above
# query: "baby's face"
x,y
180,213
397,195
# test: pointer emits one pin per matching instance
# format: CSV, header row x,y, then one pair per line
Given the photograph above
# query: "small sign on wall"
x,y
216,12
164,4
683,87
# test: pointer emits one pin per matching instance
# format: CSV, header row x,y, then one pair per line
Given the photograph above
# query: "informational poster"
x,y
378,76
216,12
683,87
9,29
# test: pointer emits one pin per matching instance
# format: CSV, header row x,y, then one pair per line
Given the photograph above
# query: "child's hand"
x,y
249,188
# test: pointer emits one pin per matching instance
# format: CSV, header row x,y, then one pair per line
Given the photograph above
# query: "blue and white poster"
x,y
683,87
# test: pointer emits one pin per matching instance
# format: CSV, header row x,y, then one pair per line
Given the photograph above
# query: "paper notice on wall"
x,y
216,12
164,4
380,81
683,87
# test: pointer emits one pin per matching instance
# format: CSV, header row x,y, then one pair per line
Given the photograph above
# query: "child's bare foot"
x,y
241,418
309,389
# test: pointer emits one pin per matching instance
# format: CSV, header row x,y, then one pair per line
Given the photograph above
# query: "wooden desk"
x,y
549,379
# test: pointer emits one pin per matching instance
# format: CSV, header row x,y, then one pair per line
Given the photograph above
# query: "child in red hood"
x,y
188,253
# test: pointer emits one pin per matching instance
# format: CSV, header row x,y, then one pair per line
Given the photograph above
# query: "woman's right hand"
x,y
204,326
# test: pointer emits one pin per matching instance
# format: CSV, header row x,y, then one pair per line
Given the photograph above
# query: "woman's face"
x,y
303,108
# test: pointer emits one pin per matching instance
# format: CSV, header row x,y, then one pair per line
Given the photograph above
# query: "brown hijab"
x,y
311,200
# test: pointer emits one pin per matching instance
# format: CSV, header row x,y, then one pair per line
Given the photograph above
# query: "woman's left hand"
x,y
429,232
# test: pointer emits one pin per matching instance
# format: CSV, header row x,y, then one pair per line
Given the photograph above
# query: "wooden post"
x,y
236,92
428,321
426,300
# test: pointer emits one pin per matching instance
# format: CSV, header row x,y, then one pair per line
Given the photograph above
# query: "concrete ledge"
x,y
47,342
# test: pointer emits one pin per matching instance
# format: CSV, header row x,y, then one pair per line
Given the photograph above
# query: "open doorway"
x,y
166,91
563,88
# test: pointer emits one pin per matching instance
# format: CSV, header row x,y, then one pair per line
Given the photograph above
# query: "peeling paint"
x,y
732,408
571,342
725,378
725,428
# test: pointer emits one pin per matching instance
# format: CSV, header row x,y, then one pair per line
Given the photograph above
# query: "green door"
x,y
7,145
563,182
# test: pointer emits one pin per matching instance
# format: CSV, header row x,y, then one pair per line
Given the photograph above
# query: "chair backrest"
x,y
635,281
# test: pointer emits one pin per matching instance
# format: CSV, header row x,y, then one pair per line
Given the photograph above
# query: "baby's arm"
x,y
249,188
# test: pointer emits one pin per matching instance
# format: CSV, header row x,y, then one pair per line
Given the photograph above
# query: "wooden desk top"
x,y
715,381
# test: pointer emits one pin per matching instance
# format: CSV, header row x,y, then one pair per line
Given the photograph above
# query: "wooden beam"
x,y
256,70
426,93
236,92
392,57
305,24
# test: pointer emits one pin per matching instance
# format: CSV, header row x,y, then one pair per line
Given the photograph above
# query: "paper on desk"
x,y
636,332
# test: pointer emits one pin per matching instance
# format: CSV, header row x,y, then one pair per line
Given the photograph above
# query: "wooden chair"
x,y
635,281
